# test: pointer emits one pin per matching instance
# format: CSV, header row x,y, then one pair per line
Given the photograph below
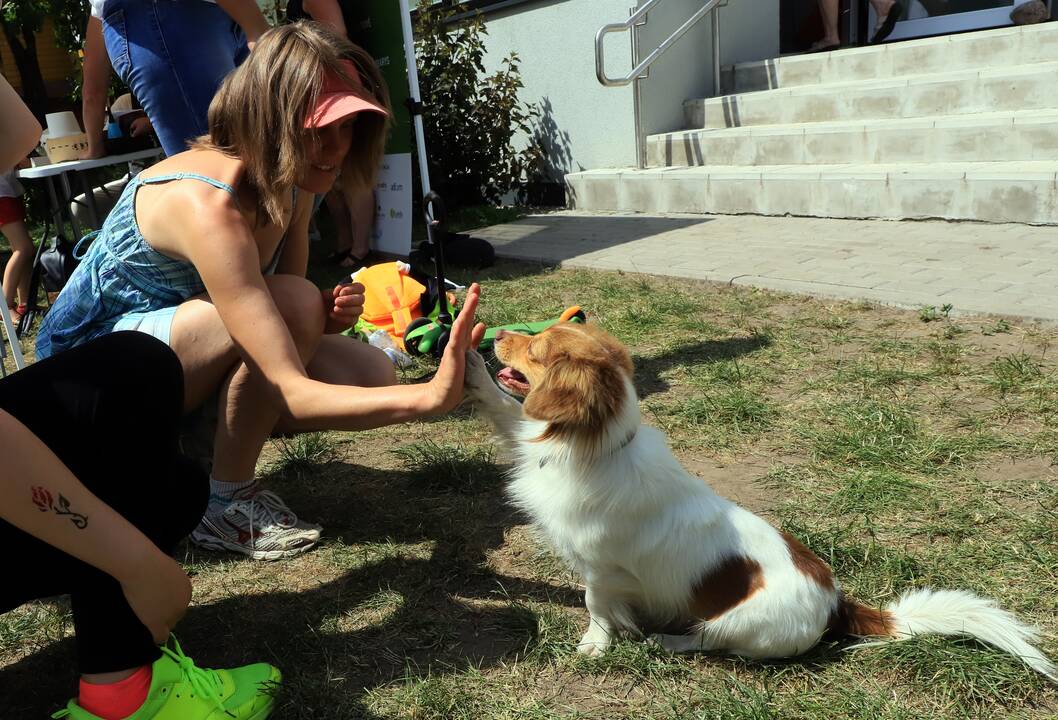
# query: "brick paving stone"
x,y
980,268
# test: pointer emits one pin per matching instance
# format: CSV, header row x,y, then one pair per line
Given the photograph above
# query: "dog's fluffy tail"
x,y
945,612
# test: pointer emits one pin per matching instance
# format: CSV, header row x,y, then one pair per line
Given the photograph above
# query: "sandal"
x,y
346,259
17,313
889,24
819,47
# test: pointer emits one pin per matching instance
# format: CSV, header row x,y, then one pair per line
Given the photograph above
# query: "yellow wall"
x,y
55,64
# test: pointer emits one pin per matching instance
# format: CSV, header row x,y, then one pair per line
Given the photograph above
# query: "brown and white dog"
x,y
658,550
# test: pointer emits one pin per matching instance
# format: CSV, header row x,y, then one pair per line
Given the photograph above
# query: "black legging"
x,y
110,410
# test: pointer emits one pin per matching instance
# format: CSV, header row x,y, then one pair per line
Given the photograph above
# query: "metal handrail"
x,y
639,70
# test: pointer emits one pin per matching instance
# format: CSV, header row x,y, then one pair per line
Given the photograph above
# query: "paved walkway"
x,y
976,267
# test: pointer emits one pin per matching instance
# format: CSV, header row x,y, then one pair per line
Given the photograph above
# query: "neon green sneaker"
x,y
182,691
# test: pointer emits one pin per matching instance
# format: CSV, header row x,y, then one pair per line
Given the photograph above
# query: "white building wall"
x,y
584,125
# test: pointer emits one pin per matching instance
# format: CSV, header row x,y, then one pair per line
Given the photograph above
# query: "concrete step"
x,y
984,137
989,48
961,92
1021,192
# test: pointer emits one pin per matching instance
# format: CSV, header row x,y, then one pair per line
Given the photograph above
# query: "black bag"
x,y
57,263
460,249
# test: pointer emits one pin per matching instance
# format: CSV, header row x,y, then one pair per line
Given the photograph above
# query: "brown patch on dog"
x,y
576,375
808,563
853,618
729,585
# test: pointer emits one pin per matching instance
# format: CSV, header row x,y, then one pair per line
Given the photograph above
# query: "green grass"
x,y
446,466
875,433
303,454
905,453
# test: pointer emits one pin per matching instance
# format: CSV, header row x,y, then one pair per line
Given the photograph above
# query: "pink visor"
x,y
339,99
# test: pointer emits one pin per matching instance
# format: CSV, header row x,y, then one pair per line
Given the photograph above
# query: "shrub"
x,y
470,118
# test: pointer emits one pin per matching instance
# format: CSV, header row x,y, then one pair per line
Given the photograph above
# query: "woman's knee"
x,y
185,489
378,369
300,303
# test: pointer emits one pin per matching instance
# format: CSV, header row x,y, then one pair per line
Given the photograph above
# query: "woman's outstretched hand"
x,y
446,388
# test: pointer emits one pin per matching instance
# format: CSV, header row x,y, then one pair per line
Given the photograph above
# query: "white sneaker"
x,y
260,526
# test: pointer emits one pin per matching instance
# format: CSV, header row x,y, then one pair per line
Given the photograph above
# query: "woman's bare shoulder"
x,y
171,214
200,161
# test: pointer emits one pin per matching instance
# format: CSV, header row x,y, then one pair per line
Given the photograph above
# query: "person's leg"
x,y
173,55
339,213
247,412
882,8
241,517
887,14
361,205
16,274
829,9
123,390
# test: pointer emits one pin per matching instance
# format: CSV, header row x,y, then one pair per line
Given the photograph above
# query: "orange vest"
x,y
391,299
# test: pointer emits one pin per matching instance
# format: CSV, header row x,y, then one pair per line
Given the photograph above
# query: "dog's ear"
x,y
576,398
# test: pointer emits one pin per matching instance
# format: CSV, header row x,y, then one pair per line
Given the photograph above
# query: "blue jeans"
x,y
173,55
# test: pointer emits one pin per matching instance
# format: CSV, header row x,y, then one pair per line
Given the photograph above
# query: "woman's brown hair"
x,y
258,114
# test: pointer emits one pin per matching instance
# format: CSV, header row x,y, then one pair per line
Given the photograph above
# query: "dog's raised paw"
x,y
476,376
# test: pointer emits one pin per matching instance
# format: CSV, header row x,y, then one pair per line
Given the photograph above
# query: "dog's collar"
x,y
627,441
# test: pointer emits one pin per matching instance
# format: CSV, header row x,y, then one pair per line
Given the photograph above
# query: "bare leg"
x,y
361,206
16,274
247,413
829,9
882,8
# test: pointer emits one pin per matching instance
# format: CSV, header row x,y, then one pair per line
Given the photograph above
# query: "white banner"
x,y
393,209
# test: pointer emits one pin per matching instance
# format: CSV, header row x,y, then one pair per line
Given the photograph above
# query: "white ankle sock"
x,y
222,493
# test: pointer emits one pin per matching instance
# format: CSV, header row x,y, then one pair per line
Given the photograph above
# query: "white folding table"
x,y
59,179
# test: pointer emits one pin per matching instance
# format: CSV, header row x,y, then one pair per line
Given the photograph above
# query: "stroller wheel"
x,y
442,343
411,344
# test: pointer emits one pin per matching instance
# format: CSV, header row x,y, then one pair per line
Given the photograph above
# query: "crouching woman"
x,y
207,251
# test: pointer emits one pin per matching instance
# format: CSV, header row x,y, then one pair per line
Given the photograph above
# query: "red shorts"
x,y
12,209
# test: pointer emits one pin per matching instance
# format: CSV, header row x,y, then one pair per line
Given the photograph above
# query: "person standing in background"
x,y
173,55
888,13
353,211
13,228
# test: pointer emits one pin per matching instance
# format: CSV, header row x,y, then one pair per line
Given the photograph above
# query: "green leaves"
x,y
472,118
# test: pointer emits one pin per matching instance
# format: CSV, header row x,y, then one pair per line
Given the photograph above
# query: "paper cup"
x,y
62,124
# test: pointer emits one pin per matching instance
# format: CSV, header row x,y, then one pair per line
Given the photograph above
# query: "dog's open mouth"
x,y
513,381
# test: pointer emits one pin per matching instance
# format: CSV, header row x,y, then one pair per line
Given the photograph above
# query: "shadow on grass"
x,y
446,610
649,370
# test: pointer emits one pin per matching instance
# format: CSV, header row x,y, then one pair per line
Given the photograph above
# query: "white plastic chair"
x,y
12,338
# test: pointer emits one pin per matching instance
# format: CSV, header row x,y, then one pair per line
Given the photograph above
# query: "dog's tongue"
x,y
513,379
511,374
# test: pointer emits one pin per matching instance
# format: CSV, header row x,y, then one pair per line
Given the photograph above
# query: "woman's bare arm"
x,y
41,497
218,242
95,73
247,14
19,130
329,13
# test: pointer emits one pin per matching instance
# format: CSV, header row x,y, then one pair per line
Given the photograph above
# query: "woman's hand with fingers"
x,y
158,591
346,307
446,387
